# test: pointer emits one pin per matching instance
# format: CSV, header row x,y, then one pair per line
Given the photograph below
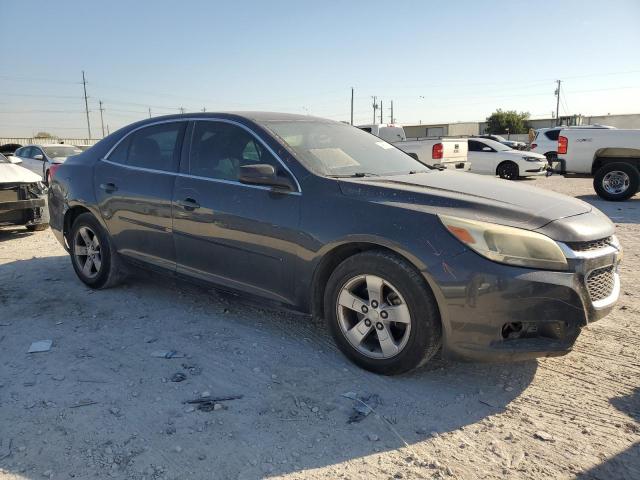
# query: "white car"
x,y
45,159
489,157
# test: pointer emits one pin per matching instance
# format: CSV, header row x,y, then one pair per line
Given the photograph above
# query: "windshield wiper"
x,y
356,175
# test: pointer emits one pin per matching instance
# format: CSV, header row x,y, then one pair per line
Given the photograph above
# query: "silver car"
x,y
45,159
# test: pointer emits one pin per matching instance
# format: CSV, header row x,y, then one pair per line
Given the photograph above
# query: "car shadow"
x,y
625,464
11,233
619,212
293,415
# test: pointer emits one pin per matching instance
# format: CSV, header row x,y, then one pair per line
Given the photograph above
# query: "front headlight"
x,y
534,159
513,246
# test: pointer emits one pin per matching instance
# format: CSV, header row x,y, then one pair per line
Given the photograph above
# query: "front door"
x,y
134,186
481,161
226,232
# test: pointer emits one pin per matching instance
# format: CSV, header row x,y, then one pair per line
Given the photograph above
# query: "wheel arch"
x,y
70,216
339,253
618,155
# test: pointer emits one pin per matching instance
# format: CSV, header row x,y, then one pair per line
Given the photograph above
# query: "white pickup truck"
x,y
612,156
445,152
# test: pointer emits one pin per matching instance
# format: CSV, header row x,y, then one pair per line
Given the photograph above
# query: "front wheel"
x,y
616,181
381,313
94,259
508,171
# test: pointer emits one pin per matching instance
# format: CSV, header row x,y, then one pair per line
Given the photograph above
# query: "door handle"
x,y
108,187
188,204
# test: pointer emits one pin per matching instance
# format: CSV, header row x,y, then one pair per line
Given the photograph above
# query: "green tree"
x,y
43,135
499,121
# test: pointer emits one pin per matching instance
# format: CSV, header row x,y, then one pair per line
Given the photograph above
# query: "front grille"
x,y
590,245
600,283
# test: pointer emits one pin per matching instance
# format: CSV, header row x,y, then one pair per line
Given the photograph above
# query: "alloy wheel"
x,y
86,252
373,316
616,182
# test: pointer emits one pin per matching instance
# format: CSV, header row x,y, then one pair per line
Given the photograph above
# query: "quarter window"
x,y
156,147
552,134
220,149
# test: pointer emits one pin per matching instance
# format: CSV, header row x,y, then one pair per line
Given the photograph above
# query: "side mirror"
x,y
264,174
14,160
486,149
38,157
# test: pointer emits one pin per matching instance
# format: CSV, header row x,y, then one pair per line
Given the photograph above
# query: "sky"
x,y
439,61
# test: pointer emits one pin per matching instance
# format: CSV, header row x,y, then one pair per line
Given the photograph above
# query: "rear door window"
x,y
156,147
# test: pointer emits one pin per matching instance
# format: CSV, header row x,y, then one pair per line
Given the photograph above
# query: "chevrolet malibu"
x,y
315,215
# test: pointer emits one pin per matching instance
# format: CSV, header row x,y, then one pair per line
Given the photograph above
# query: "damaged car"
x,y
400,259
23,197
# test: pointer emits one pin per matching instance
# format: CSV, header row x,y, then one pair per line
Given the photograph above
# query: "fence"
x,y
44,141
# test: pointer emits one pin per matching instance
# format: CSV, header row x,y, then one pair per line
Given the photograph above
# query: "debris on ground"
x,y
83,403
363,405
208,404
40,346
178,377
167,354
544,436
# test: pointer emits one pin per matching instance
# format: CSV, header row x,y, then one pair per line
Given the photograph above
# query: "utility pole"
x,y
375,105
149,112
86,104
351,105
381,110
204,109
101,117
107,129
181,110
558,103
392,119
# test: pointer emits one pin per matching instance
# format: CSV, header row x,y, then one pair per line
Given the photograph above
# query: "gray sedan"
x,y
323,218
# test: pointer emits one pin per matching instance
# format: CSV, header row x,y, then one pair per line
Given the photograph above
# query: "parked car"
x,y
22,197
612,156
489,157
438,151
45,159
333,222
9,148
513,144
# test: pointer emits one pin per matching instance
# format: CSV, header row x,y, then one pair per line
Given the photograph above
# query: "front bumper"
x,y
24,205
535,169
495,312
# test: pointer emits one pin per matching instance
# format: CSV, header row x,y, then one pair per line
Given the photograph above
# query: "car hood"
x,y
59,159
524,153
11,173
475,197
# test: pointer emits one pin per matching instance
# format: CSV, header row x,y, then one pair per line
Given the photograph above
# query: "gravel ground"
x,y
98,404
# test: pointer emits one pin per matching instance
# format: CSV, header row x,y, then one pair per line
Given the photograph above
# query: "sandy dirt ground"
x,y
99,405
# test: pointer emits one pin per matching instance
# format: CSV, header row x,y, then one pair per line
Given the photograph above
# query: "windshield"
x,y
336,149
4,159
61,151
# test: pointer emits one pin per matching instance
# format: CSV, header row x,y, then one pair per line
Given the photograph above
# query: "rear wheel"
x,y
616,181
381,313
94,259
508,171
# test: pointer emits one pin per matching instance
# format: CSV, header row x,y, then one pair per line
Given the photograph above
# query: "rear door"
x,y
133,187
229,233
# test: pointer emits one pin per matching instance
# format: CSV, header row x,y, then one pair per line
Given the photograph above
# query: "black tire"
x,y
425,335
111,270
604,188
508,171
38,227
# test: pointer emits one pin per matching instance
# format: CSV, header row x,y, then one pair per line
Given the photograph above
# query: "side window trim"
x,y
182,174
